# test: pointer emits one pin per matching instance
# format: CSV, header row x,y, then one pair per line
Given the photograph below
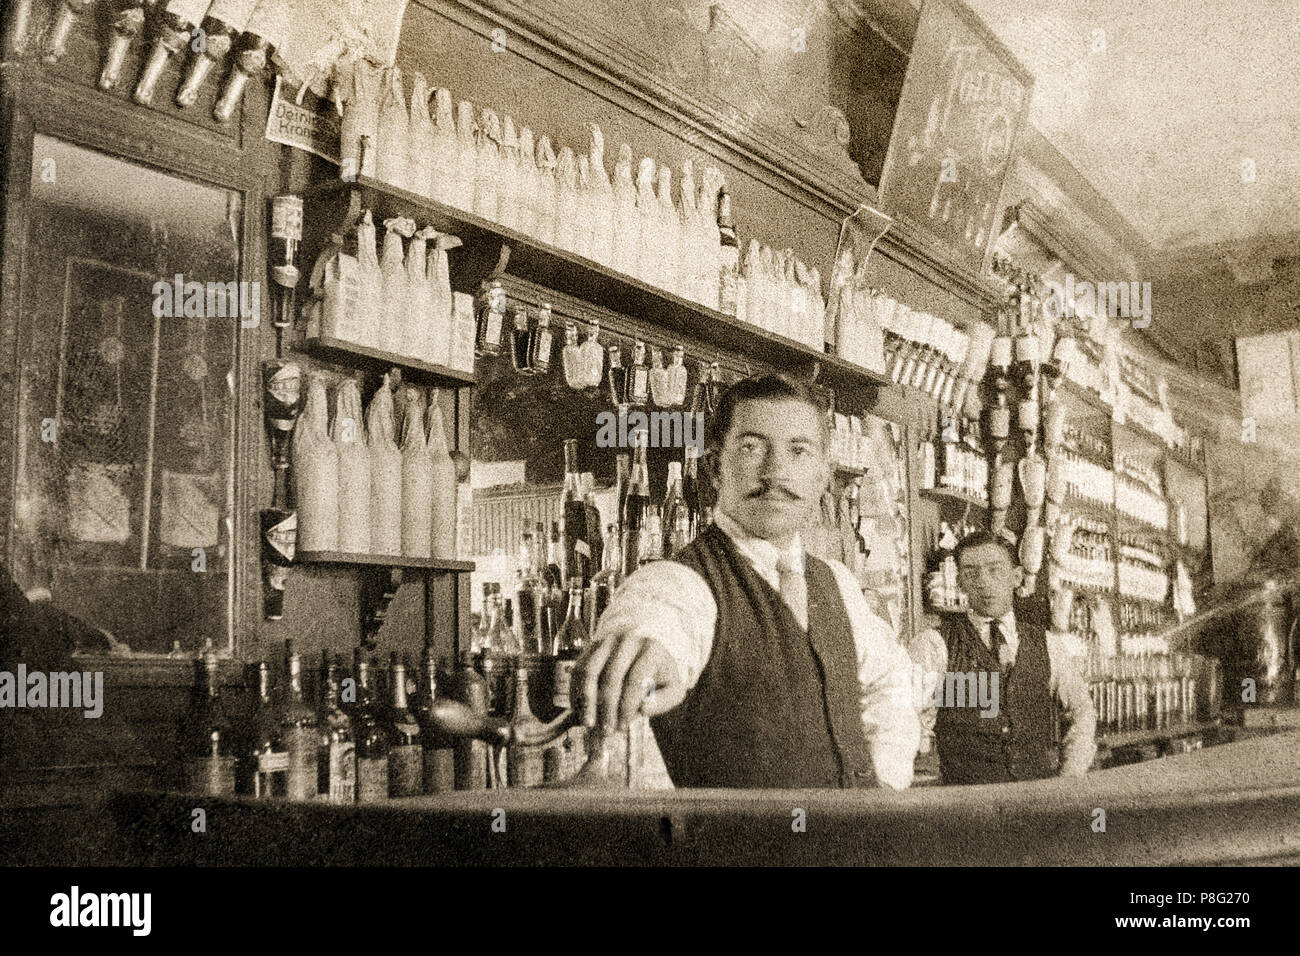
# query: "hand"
x,y
623,676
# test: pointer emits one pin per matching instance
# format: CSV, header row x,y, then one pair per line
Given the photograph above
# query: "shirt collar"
x,y
1008,621
759,550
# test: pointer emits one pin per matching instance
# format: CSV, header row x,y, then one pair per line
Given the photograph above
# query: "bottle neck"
x,y
399,687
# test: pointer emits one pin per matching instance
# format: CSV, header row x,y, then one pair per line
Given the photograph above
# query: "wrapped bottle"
x,y
419,296
601,208
390,334
593,356
442,520
567,224
646,262
626,231
337,281
670,232
385,474
509,181
487,165
354,470
526,177
659,388
589,204
575,371
393,144
417,477
441,146
361,90
316,473
369,314
677,377
438,344
801,306
753,284
788,286
419,140
710,236
729,256
461,356
688,274
546,197
465,171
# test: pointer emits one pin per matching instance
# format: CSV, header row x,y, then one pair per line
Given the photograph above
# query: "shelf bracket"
x,y
379,586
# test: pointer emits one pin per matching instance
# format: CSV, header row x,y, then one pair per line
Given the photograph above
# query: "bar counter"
x,y
1233,804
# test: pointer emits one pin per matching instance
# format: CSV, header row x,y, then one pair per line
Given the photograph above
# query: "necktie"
x,y
794,589
999,645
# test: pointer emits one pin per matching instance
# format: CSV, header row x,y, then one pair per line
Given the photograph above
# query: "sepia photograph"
x,y
635,434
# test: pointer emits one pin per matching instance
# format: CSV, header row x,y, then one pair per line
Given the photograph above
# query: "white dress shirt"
x,y
668,602
1078,743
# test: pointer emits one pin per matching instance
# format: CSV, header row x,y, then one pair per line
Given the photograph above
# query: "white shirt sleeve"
x,y
667,602
929,656
885,680
1078,718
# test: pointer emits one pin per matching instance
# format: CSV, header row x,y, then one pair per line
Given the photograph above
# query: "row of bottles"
x,y
1149,691
957,462
399,301
1085,443
1090,562
1138,579
358,744
850,442
941,588
929,353
369,486
482,163
1086,479
770,289
1135,500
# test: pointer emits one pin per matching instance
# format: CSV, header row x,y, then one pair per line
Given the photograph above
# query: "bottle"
x,y
470,688
595,543
577,553
539,359
520,341
405,753
298,731
616,377
622,470
438,761
673,507
336,760
491,320
371,738
593,357
575,371
523,763
638,377
556,564
444,490
526,598
636,505
569,645
267,758
729,275
208,745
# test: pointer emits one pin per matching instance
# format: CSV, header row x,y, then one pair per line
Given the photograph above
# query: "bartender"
x,y
759,665
1013,740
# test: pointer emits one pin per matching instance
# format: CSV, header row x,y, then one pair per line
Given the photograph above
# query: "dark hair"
x,y
979,539
760,388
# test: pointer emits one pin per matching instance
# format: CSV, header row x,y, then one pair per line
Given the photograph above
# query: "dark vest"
x,y
775,706
1017,744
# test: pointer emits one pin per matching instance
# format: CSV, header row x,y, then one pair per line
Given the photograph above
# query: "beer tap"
x,y
174,31
221,27
70,11
15,42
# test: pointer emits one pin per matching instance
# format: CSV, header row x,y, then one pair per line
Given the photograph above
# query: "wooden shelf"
x,y
381,560
584,279
948,495
339,350
1137,738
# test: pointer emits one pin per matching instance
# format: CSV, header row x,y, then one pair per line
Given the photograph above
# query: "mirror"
x,y
131,303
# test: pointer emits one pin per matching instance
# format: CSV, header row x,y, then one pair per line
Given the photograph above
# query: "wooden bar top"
x,y
1232,804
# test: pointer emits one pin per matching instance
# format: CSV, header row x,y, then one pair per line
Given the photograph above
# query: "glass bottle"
x,y
539,343
523,763
616,377
568,647
298,730
491,321
208,746
438,763
575,371
520,340
577,553
405,753
729,273
636,505
336,761
267,758
371,738
638,377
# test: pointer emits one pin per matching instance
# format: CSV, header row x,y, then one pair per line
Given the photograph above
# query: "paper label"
x,y
302,128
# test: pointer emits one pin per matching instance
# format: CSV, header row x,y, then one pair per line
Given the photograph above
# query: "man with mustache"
x,y
758,664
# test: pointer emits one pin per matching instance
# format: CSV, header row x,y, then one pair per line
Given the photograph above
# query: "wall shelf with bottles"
x,y
491,249
360,356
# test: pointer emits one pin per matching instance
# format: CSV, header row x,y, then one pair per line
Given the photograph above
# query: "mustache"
x,y
766,488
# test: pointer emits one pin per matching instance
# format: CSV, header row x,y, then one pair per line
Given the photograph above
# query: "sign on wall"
x,y
964,100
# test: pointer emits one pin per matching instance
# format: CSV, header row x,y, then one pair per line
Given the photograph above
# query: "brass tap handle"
x,y
534,733
454,719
